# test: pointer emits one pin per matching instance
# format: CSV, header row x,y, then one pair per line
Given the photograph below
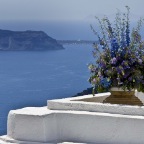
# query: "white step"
x,y
39,125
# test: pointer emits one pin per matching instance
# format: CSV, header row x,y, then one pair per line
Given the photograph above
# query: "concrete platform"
x,y
94,104
74,120
40,125
7,140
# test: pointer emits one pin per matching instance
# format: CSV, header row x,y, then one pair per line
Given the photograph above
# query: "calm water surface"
x,y
31,78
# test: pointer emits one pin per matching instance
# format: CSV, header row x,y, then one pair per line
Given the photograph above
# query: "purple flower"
x,y
113,60
93,69
94,81
126,74
99,74
102,64
130,79
120,69
125,65
140,61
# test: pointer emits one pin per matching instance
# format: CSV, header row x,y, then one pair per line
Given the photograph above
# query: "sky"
x,y
63,19
69,10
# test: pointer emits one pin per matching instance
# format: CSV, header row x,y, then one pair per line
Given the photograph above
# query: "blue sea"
x,y
31,78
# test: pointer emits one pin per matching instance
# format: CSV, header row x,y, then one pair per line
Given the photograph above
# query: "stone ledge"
x,y
7,140
81,104
40,125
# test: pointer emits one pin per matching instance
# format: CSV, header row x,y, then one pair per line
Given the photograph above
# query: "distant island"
x,y
27,40
68,42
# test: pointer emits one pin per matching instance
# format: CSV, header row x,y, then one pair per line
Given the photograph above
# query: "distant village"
x,y
68,42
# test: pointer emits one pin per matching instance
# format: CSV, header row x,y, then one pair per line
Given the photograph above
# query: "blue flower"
x,y
105,82
127,34
114,47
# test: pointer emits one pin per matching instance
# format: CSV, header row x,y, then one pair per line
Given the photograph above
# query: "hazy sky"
x,y
65,9
61,16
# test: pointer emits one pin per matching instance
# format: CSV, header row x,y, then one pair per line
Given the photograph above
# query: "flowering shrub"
x,y
119,55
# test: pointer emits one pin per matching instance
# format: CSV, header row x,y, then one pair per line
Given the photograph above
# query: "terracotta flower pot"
x,y
119,96
119,92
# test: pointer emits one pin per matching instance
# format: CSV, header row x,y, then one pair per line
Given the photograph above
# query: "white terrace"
x,y
77,120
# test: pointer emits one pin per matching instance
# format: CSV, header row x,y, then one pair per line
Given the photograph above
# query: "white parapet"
x,y
32,124
41,125
87,103
76,120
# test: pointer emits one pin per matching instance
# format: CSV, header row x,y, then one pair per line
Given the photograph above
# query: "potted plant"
x,y
119,55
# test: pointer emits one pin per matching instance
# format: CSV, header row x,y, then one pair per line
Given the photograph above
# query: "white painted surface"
x,y
74,103
74,121
140,95
7,140
41,125
32,124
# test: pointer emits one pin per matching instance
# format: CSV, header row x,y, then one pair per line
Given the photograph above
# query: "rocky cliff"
x,y
27,40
